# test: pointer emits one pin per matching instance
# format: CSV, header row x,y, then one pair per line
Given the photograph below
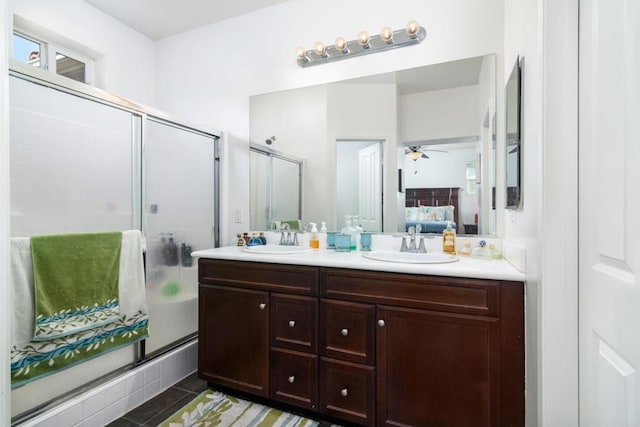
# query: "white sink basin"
x,y
277,250
410,257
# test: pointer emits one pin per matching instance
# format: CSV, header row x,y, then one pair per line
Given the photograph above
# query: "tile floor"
x,y
161,407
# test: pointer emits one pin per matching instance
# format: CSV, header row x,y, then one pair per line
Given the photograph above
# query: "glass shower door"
x,y
178,218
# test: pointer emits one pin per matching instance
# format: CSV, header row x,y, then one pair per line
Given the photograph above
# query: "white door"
x,y
370,187
609,179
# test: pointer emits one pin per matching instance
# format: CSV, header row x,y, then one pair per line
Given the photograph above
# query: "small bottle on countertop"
x,y
449,240
495,254
465,250
481,251
322,236
313,239
263,238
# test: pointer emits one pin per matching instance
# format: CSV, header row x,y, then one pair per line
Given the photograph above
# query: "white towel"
x,y
131,288
131,285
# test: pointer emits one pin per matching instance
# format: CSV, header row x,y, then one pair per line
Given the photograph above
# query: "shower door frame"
x,y
139,116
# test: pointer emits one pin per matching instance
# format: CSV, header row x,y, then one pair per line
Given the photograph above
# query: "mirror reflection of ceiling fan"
x,y
416,152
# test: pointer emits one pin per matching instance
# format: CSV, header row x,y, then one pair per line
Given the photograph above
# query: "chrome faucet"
x,y
412,247
288,238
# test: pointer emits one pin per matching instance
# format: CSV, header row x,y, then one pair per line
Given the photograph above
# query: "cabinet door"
x,y
436,369
233,348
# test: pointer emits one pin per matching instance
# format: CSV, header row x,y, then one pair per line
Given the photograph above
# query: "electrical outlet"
x,y
237,215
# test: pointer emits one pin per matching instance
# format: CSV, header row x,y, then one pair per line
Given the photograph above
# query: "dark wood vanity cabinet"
x,y
370,348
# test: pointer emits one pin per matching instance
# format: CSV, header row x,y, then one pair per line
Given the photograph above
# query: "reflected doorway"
x,y
359,182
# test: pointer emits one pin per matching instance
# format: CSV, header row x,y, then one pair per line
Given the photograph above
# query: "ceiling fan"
x,y
416,152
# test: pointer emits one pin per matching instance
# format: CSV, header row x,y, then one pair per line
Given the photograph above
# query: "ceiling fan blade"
x,y
424,156
439,151
514,150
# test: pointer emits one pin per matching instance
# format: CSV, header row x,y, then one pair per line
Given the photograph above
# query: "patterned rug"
x,y
213,408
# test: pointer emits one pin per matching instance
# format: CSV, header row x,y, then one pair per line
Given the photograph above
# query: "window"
x,y
28,50
48,56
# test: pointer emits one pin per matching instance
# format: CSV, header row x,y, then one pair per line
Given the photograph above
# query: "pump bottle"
x,y
313,240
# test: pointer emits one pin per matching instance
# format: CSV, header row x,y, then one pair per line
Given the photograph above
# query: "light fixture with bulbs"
x,y
363,44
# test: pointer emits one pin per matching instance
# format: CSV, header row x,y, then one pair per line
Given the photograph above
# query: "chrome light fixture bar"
x,y
362,45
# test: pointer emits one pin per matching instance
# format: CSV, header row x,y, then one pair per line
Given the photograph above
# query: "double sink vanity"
x,y
363,341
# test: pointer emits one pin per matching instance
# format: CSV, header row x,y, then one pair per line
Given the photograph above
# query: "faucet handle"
x,y
403,246
295,239
422,248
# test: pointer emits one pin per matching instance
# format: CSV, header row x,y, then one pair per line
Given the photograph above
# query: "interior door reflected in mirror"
x,y
435,123
513,100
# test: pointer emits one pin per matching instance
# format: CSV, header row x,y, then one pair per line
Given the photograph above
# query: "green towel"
x,y
76,282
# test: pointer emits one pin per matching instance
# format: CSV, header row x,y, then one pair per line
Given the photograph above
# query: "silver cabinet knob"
x,y
292,378
292,323
380,322
344,332
262,306
344,392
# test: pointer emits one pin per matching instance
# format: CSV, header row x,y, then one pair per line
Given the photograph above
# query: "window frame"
x,y
48,56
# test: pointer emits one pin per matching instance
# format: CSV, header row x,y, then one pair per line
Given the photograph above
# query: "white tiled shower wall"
x,y
108,402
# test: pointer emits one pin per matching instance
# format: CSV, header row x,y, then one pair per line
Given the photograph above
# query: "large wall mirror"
x,y
513,100
392,147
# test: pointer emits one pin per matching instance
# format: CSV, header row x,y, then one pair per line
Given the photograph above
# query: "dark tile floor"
x,y
161,407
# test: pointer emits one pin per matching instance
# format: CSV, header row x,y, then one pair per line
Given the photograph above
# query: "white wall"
x,y
255,53
545,33
124,59
447,113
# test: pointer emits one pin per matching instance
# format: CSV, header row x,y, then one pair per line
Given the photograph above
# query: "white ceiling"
x,y
158,19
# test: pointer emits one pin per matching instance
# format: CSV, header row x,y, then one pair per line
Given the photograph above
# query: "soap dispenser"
x,y
313,239
322,236
449,239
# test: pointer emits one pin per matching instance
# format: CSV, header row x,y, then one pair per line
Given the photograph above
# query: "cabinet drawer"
x,y
294,378
294,322
468,296
347,330
261,276
347,391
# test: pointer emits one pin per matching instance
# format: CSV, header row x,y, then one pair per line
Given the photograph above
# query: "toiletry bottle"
x,y
313,239
465,250
172,252
348,229
239,241
356,225
254,240
185,255
449,240
162,250
495,254
245,236
322,236
263,239
481,251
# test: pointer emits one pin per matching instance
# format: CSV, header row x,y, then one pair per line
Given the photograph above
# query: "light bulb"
x,y
412,28
386,34
341,44
320,49
301,53
363,39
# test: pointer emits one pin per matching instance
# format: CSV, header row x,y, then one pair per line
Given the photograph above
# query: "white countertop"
x,y
465,267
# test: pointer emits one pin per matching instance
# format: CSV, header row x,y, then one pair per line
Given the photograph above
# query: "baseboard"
x,y
113,399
